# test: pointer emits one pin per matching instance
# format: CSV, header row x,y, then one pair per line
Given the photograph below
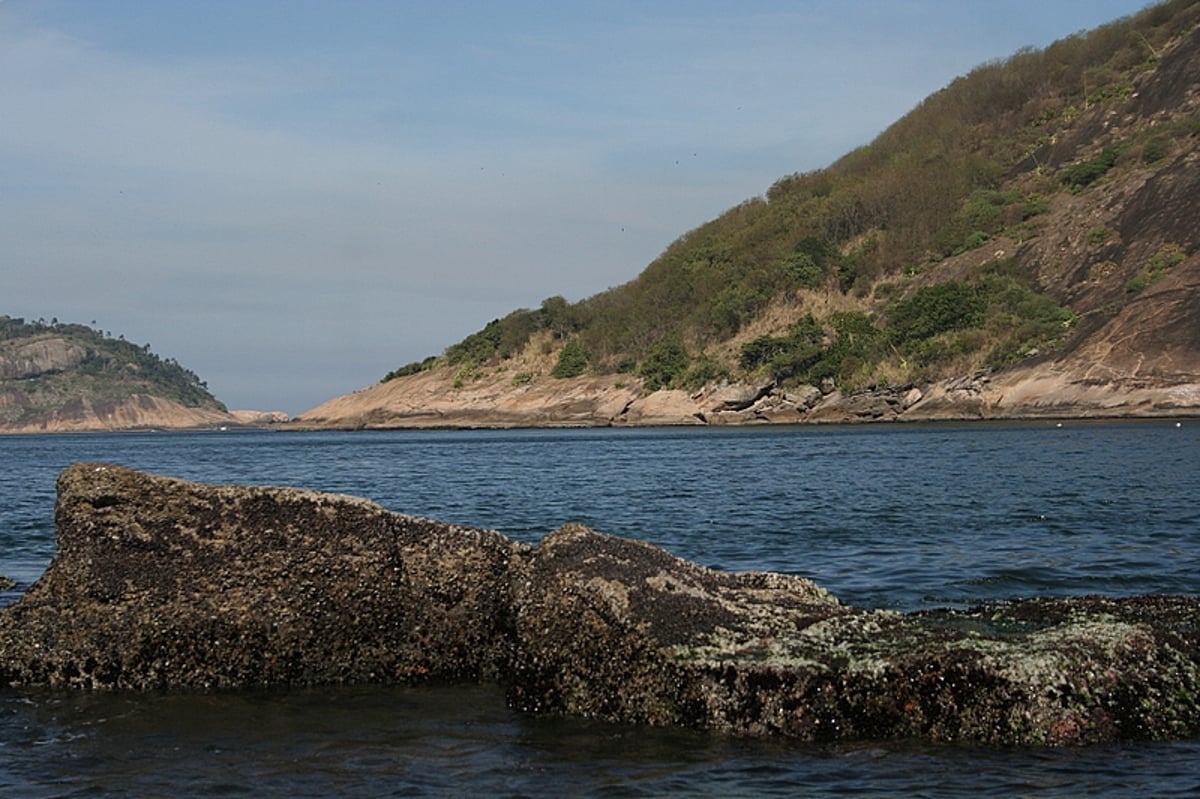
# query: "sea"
x,y
895,516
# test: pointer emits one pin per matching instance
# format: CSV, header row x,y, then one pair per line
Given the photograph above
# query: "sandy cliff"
x,y
139,412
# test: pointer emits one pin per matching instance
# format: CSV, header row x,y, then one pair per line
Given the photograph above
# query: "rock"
x,y
666,407
259,418
442,397
163,583
605,625
135,412
803,396
28,359
622,631
863,406
737,396
7,583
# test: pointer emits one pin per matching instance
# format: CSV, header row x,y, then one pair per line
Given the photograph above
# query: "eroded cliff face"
x,y
138,412
161,583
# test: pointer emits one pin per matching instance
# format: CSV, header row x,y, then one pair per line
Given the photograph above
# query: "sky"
x,y
293,198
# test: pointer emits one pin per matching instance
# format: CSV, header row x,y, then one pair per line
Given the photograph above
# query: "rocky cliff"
x,y
160,583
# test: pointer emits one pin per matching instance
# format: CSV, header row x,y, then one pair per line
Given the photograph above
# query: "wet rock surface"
x,y
620,630
162,583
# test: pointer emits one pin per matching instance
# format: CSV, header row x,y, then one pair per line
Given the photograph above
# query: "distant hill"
x,y
1022,243
56,376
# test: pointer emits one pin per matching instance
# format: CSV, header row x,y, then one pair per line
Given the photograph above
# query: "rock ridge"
x,y
161,583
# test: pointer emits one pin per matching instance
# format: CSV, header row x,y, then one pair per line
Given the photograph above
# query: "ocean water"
x,y
896,516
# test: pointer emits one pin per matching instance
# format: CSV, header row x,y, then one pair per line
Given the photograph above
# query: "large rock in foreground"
x,y
162,583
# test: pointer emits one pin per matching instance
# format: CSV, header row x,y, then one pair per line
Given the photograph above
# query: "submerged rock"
x,y
163,583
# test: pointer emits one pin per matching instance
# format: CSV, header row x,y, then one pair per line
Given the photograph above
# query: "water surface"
x,y
904,517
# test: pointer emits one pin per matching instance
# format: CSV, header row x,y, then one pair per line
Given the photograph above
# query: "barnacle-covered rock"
x,y
160,582
623,631
164,583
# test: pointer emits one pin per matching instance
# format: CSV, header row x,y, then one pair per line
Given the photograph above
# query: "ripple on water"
x,y
909,518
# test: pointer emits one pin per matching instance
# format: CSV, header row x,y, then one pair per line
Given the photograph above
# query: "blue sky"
x,y
293,198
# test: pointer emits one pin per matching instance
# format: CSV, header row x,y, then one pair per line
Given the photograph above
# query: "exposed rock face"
x,y
136,412
605,626
259,418
435,399
42,356
162,583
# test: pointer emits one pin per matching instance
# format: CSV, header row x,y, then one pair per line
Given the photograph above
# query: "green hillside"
x,y
47,366
840,274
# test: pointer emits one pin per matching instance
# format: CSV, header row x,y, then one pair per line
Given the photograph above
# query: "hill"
x,y
58,377
1022,243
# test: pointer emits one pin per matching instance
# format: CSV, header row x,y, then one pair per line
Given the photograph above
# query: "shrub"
x,y
1035,205
975,241
666,362
935,309
1156,267
1155,149
705,371
1080,176
499,337
627,365
416,367
572,361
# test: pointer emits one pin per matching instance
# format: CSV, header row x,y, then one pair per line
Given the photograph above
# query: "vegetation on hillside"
x,y
110,369
972,162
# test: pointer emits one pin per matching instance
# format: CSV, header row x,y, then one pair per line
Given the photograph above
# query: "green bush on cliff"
x,y
572,361
789,356
935,309
999,315
1082,175
666,362
499,338
704,371
415,367
1156,268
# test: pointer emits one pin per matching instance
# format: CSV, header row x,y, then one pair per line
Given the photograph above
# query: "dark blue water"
x,y
904,517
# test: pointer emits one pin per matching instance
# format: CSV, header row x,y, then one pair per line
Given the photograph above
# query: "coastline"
x,y
427,401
